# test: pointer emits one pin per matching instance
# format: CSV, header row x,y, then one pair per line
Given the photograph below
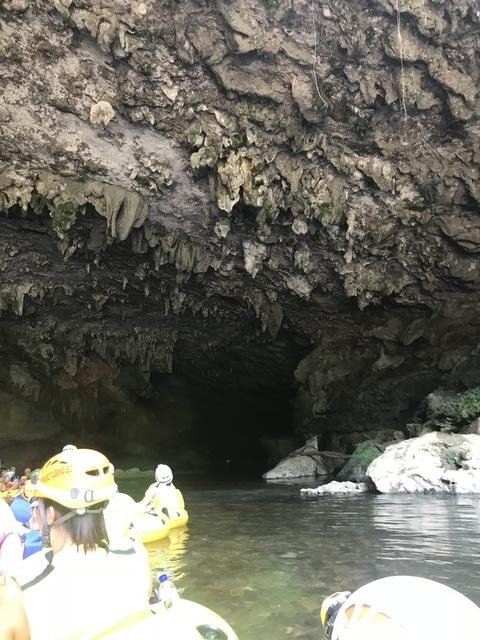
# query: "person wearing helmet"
x,y
162,497
77,583
400,608
69,447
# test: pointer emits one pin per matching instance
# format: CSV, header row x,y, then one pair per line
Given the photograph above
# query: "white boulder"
x,y
305,462
432,463
336,488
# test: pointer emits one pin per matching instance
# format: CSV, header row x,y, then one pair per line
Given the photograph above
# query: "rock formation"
x,y
307,461
432,463
213,210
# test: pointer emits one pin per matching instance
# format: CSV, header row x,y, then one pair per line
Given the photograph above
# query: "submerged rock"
x,y
335,487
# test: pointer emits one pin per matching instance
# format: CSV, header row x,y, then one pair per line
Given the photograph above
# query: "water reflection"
x,y
264,557
438,536
166,555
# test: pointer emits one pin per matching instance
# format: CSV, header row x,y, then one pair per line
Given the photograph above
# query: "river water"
x,y
264,557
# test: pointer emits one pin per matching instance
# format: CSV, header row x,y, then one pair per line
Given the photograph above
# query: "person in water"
x,y
400,608
78,585
162,496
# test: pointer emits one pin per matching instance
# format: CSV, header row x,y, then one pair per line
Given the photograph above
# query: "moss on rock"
x,y
63,216
464,406
354,470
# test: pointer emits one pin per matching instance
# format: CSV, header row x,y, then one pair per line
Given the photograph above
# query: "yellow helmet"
x,y
27,488
76,478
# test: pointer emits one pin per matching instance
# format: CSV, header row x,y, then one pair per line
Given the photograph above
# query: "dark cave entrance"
x,y
220,430
225,407
227,414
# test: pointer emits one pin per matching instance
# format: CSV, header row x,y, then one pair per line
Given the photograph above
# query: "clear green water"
x,y
263,557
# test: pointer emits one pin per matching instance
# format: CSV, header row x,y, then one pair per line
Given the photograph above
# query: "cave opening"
x,y
220,413
235,427
181,372
229,428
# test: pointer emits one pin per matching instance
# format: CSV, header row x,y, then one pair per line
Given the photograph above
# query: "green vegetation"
x,y
361,126
63,216
206,156
327,88
325,213
464,406
355,469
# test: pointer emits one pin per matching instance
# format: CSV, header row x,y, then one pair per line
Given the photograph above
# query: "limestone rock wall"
x,y
180,182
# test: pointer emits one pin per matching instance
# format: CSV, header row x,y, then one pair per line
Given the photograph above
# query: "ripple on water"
x,y
264,557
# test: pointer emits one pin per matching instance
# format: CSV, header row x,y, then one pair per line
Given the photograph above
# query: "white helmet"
x,y
406,608
163,474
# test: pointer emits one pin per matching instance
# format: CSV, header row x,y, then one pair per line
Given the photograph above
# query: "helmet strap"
x,y
67,516
45,525
64,518
75,512
81,512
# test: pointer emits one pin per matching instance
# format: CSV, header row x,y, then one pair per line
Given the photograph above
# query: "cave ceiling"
x,y
271,202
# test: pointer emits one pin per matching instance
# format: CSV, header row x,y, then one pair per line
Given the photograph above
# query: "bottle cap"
x,y
162,577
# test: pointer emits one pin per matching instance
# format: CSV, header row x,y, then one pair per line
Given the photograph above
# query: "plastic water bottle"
x,y
167,593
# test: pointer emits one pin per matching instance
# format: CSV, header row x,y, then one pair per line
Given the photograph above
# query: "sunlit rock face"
x,y
231,221
432,463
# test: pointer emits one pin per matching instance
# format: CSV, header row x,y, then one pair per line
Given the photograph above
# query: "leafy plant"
x,y
354,470
327,88
361,126
464,406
